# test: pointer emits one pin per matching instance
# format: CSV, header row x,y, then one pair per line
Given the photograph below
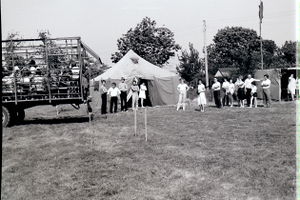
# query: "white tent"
x,y
161,83
132,65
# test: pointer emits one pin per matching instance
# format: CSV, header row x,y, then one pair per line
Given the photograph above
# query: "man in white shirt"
x,y
266,84
182,88
248,86
123,96
113,92
225,87
216,87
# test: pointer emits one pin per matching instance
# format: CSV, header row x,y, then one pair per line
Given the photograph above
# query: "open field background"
x,y
220,154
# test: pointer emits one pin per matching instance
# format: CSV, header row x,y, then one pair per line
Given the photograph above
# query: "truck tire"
x,y
20,115
6,117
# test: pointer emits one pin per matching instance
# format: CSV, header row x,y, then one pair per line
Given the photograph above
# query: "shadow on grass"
x,y
64,120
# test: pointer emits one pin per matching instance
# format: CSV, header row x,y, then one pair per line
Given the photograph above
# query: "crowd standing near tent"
x,y
244,90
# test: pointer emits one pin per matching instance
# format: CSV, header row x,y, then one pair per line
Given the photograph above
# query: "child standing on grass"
x,y
253,99
142,94
231,88
201,96
134,94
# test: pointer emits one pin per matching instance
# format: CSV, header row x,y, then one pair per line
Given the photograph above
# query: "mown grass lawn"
x,y
220,154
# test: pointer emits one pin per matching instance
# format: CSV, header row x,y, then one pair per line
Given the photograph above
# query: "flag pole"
x,y
205,54
260,23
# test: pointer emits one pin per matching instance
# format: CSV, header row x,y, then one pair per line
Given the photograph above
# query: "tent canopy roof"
x,y
225,72
132,65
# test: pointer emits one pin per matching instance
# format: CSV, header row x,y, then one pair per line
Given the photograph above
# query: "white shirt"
x,y
240,84
114,92
143,88
182,88
216,86
231,88
123,87
266,84
253,89
248,82
292,83
225,86
201,88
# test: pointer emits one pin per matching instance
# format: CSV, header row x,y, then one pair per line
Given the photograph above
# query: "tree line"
x,y
232,47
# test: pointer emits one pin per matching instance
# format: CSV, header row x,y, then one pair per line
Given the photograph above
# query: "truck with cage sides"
x,y
48,71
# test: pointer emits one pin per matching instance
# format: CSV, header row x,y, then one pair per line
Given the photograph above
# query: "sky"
x,y
101,22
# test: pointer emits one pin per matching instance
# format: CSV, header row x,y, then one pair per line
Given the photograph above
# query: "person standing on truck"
x,y
113,92
123,96
103,92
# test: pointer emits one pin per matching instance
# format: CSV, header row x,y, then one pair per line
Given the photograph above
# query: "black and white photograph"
x,y
150,99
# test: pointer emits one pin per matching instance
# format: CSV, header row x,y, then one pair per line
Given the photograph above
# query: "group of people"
x,y
135,92
245,90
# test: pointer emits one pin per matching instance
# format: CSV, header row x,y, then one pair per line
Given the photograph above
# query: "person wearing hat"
x,y
123,96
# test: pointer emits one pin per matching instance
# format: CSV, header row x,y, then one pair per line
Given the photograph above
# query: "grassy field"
x,y
220,154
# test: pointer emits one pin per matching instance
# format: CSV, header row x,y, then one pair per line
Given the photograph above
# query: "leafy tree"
x,y
288,51
12,59
55,58
234,47
191,66
155,44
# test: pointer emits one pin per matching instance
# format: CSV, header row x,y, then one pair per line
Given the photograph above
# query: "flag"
x,y
261,10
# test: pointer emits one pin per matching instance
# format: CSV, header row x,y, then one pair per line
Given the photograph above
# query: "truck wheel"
x,y
6,117
20,115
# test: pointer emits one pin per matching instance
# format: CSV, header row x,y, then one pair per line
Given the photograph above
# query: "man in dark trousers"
x,y
123,96
113,92
216,87
103,91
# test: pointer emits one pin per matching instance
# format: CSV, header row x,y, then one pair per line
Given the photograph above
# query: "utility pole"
x,y
260,22
205,54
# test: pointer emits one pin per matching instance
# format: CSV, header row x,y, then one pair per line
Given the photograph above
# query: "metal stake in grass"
x,y
146,134
135,121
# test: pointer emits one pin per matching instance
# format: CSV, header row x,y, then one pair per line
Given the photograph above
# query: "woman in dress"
x,y
241,91
142,94
292,86
201,96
